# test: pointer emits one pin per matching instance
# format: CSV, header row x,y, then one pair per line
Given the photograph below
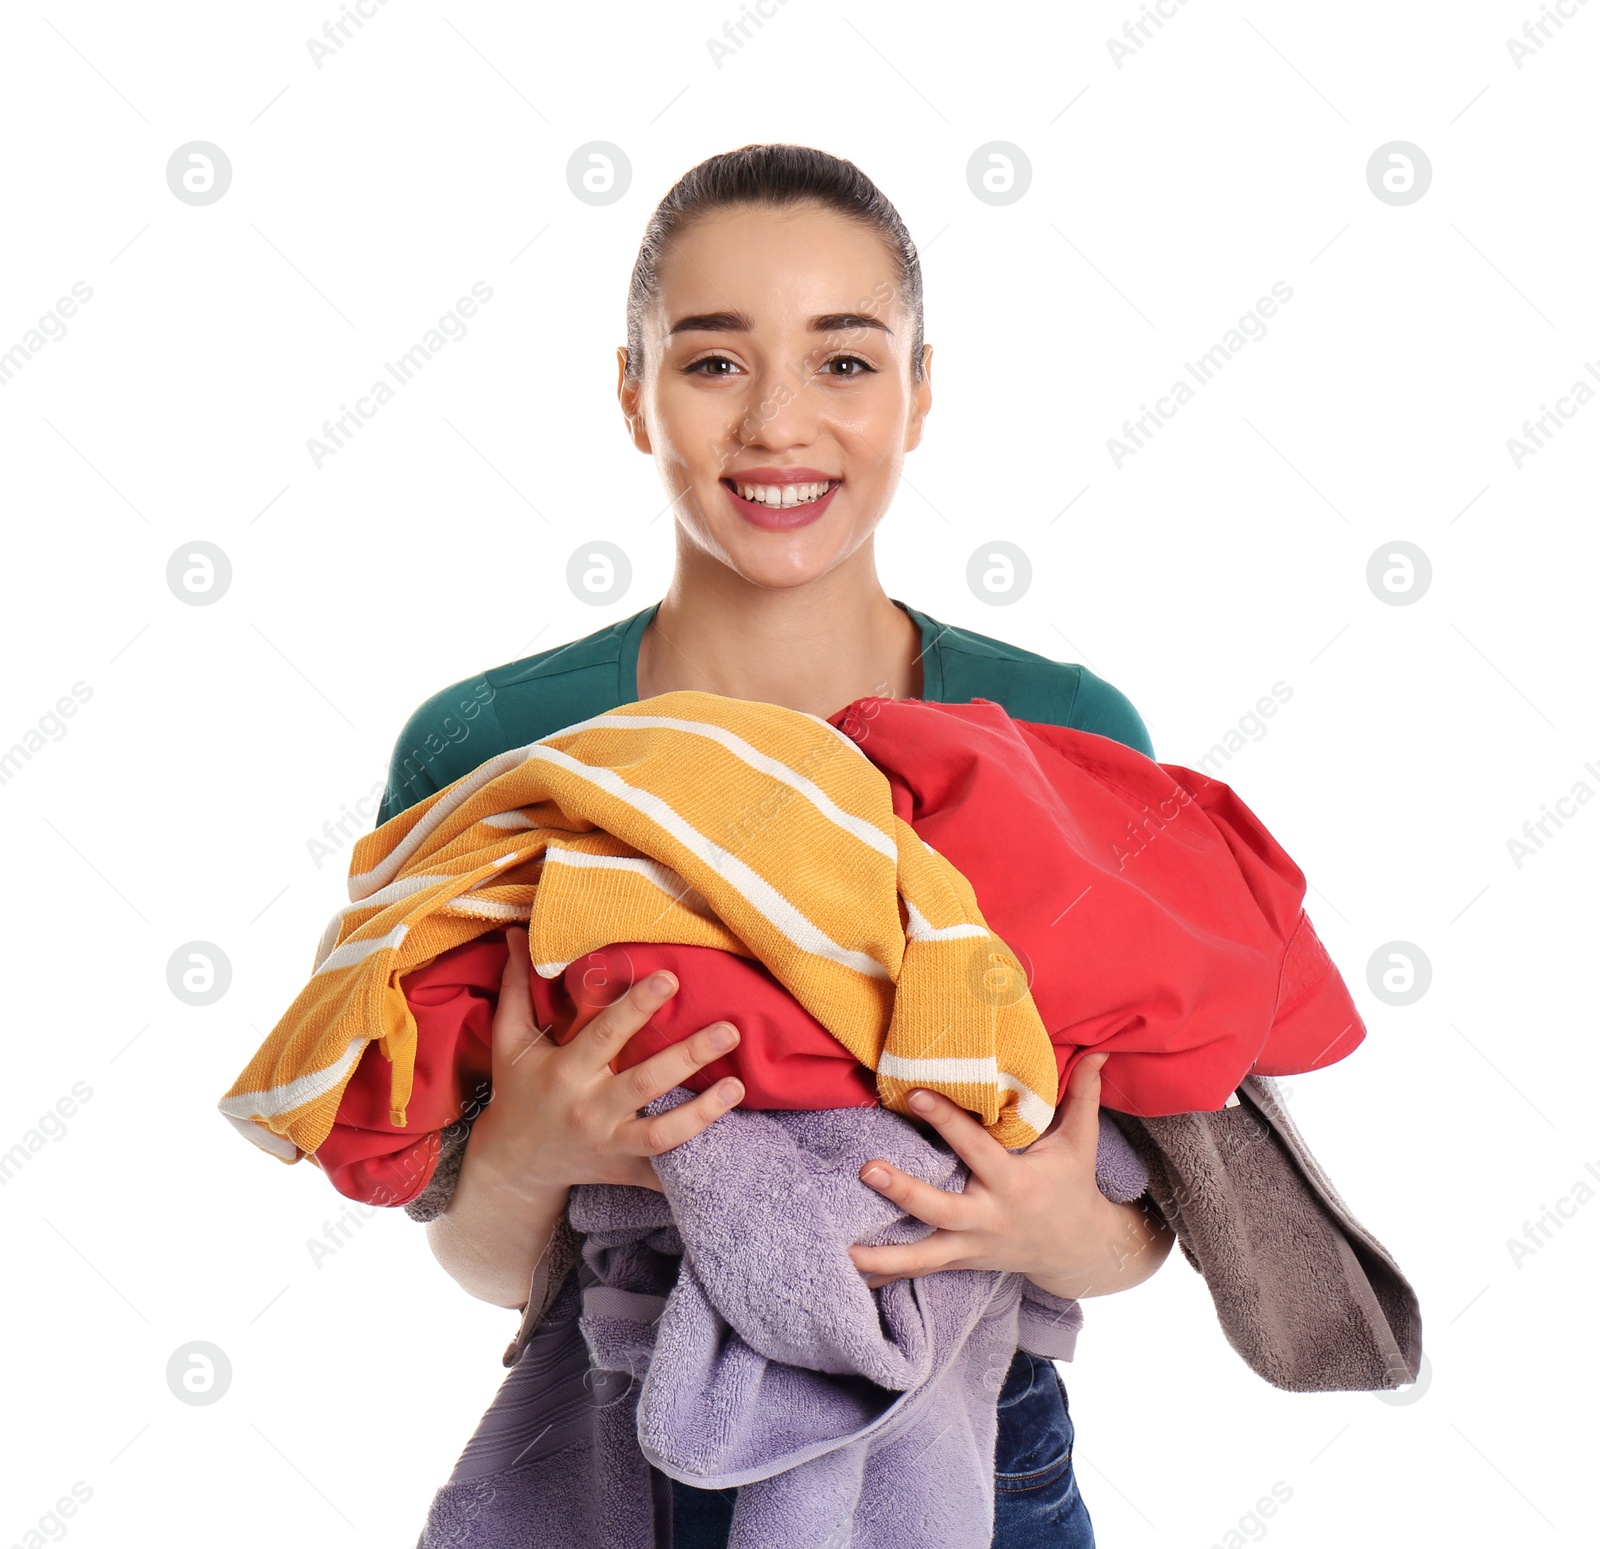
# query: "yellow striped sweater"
x,y
690,818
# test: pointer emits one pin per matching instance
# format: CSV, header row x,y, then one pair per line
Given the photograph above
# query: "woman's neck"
x,y
814,647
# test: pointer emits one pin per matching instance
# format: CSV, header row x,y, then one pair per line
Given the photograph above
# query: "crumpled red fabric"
x,y
1155,915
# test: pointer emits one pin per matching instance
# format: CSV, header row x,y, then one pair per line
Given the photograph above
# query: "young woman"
x,y
776,372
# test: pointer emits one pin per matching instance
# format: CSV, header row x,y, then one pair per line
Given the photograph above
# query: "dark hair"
x,y
775,175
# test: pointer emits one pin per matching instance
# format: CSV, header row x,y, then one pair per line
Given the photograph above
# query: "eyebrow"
x,y
742,322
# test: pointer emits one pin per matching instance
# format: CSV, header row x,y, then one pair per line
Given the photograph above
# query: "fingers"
x,y
982,1153
672,1066
938,1207
662,1131
514,1029
1078,1122
606,1034
899,1261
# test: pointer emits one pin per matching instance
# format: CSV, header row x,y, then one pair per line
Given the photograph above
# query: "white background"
x,y
1167,195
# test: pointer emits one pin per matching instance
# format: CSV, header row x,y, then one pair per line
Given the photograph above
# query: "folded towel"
x,y
1310,1299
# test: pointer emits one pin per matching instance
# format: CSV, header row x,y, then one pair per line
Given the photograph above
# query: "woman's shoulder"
x,y
454,730
1033,687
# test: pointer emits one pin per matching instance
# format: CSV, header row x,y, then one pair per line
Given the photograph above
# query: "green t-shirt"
x,y
512,705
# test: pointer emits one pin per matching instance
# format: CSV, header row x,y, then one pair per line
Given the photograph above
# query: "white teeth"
x,y
781,496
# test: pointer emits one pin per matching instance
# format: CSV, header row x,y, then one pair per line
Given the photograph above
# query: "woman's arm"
x,y
1037,1212
490,1237
559,1116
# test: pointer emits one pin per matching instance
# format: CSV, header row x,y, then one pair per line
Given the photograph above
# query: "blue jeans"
x,y
1036,1500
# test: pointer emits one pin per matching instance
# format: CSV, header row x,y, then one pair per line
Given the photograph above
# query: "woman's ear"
x,y
628,397
921,400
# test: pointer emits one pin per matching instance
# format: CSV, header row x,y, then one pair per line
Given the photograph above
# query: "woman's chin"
x,y
767,572
783,568
776,559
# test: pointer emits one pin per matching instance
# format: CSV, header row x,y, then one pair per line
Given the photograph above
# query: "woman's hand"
x,y
559,1116
1037,1212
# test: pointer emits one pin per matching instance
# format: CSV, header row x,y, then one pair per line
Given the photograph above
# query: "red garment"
x,y
1156,917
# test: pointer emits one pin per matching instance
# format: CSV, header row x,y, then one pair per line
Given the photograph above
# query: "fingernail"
x,y
659,984
730,1091
921,1101
876,1176
722,1036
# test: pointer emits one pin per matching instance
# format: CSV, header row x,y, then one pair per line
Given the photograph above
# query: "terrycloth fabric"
x,y
555,1460
759,1356
1305,1293
1153,914
1309,1298
1119,1173
657,822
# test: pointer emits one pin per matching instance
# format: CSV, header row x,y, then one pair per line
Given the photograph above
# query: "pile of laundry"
x,y
905,894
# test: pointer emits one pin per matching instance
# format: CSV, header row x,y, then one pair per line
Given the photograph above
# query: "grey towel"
x,y
720,1334
1305,1293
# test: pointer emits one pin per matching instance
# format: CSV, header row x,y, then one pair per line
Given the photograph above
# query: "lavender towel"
x,y
718,1333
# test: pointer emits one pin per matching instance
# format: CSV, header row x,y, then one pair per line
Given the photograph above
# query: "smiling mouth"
x,y
783,497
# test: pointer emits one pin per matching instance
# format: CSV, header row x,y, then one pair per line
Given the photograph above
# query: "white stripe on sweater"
x,y
981,1072
662,876
405,887
293,1094
918,929
858,828
377,902
463,789
778,911
279,1146
469,908
469,785
357,951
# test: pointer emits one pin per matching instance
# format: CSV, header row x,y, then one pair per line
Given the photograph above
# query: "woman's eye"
x,y
697,367
865,367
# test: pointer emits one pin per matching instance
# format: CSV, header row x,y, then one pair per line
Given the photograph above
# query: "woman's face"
x,y
775,392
